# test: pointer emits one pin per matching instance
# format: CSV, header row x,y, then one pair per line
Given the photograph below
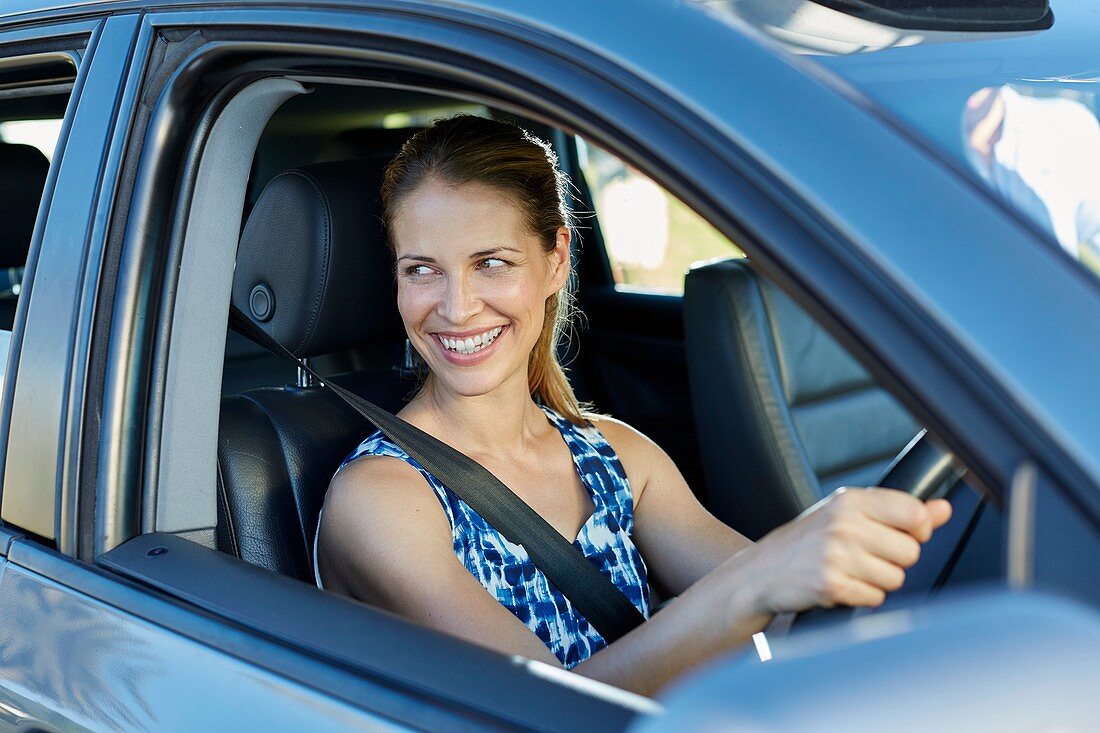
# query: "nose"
x,y
460,301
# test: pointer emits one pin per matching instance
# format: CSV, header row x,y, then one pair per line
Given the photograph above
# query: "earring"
x,y
410,360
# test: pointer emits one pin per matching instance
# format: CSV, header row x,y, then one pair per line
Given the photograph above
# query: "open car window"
x,y
830,399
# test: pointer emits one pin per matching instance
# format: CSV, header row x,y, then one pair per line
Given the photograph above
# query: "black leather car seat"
x,y
314,272
784,414
23,171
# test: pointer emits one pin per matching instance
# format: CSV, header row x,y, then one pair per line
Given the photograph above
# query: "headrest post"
x,y
305,379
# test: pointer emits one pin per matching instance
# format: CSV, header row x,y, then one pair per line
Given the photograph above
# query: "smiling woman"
x,y
477,226
467,294
438,194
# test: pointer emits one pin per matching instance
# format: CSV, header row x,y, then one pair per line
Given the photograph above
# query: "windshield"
x,y
1018,109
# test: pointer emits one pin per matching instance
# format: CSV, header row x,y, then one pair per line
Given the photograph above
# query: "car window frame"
x,y
32,494
55,355
780,219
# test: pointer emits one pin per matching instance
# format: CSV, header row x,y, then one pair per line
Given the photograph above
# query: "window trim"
x,y
188,409
446,678
31,506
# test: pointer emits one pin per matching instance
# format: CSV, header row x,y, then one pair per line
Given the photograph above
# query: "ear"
x,y
559,260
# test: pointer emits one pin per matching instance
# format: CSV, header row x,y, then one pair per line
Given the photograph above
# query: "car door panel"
x,y
70,661
434,680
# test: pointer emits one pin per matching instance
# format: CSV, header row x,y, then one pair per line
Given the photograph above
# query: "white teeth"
x,y
470,345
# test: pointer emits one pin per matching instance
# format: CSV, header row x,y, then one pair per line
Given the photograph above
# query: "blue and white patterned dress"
x,y
504,568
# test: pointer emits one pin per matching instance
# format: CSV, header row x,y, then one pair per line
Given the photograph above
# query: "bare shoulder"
x,y
619,433
386,539
379,511
640,456
625,438
377,482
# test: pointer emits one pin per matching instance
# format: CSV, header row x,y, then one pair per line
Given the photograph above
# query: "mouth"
x,y
472,349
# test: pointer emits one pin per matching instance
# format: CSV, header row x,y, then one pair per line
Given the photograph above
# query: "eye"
x,y
485,263
415,270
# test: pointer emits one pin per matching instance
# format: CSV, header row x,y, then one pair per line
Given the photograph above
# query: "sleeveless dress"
x,y
506,571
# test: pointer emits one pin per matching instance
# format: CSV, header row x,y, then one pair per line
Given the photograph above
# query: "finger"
x,y
892,545
878,572
940,511
898,509
846,590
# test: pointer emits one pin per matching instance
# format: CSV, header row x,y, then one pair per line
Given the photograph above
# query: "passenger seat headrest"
x,y
23,171
313,269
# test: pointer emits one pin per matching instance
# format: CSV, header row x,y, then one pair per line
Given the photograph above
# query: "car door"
x,y
63,77
78,649
707,145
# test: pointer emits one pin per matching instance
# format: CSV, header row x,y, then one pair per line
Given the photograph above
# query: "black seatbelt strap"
x,y
590,591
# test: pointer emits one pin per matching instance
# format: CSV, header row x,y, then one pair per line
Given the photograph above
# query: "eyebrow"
x,y
482,253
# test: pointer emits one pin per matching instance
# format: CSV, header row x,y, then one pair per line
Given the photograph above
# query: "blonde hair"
x,y
465,149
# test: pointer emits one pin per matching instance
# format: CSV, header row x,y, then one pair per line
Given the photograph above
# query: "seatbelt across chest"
x,y
590,591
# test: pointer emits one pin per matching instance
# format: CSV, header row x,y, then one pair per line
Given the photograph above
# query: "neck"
x,y
499,424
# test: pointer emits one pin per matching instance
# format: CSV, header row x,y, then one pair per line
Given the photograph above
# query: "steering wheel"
x,y
922,468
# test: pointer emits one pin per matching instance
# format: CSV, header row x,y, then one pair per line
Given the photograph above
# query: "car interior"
x,y
761,409
23,170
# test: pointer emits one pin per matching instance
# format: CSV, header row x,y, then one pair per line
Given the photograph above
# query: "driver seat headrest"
x,y
313,269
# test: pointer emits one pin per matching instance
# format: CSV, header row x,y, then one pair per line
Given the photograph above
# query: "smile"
x,y
472,344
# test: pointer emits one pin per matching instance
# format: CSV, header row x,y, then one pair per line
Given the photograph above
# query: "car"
x,y
162,474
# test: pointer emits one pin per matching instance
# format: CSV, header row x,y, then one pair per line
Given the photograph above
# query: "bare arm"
x,y
679,539
386,540
850,548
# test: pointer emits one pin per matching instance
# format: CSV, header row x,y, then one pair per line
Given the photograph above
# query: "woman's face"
x,y
472,284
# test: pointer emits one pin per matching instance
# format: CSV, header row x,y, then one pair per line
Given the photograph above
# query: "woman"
x,y
480,234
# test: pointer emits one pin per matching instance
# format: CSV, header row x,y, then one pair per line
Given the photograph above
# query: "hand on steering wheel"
x,y
853,547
